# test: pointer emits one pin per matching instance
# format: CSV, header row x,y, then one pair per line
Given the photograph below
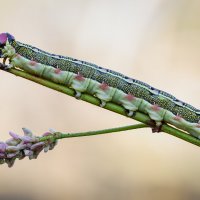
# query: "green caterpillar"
x,y
105,84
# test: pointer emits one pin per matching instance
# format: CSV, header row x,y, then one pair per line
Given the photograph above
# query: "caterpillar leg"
x,y
79,84
4,66
156,114
130,113
155,126
4,60
128,101
77,94
104,93
102,104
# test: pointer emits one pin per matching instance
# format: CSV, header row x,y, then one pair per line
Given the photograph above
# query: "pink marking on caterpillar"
x,y
79,77
129,97
178,117
57,71
32,63
18,56
104,86
198,125
155,107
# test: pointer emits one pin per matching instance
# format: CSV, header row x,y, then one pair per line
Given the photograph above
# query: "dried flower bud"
x,y
22,146
2,155
12,149
27,132
46,134
37,146
28,152
11,155
14,135
10,161
12,142
2,147
26,139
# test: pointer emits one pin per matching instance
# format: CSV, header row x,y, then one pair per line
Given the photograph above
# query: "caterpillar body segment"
x,y
128,101
105,84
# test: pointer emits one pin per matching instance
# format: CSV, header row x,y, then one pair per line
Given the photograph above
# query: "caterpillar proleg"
x,y
105,84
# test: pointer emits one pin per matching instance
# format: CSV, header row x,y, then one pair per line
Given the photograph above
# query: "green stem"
x,y
109,106
59,135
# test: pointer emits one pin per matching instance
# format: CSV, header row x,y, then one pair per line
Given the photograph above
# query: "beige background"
x,y
156,41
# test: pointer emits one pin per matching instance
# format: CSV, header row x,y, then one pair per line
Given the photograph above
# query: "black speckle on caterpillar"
x,y
105,84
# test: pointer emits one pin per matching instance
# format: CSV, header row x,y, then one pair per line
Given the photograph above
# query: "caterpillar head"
x,y
4,37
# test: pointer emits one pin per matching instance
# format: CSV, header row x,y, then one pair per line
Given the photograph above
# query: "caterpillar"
x,y
105,84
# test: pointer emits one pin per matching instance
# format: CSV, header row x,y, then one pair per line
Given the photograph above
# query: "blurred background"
x,y
155,41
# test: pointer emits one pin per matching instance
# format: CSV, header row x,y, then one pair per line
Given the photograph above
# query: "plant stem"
x,y
59,135
109,106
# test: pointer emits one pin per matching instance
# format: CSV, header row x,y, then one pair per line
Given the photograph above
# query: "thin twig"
x,y
59,135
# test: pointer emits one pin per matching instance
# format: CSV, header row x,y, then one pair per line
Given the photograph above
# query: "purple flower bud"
x,y
2,155
28,152
21,146
37,146
2,147
27,132
46,134
26,139
12,142
12,149
14,135
11,155
28,145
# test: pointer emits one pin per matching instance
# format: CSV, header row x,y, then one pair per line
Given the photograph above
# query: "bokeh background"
x,y
156,41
